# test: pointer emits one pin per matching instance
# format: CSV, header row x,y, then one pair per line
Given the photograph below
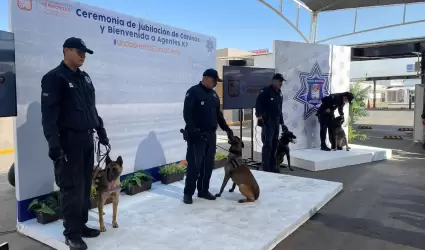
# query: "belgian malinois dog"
x,y
283,148
107,183
338,134
239,172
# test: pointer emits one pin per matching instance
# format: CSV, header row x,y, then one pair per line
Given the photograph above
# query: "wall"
x,y
328,67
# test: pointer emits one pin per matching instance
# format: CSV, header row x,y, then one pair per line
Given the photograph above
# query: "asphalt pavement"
x,y
382,205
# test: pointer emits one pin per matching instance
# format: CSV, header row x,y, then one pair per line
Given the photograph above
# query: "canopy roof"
x,y
327,5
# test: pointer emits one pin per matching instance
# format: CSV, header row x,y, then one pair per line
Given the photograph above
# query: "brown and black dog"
x,y
238,171
108,184
338,134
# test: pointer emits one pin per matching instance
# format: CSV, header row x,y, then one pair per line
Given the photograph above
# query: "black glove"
x,y
284,128
103,137
260,123
229,133
56,154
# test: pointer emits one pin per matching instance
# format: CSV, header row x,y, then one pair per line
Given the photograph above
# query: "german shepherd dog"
x,y
239,172
107,183
338,134
283,148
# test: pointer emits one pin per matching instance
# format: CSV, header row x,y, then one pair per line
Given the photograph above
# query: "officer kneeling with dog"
x,y
325,114
269,113
202,114
69,117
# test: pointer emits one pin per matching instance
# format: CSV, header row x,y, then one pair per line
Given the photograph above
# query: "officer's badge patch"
x,y
88,79
202,103
45,94
70,85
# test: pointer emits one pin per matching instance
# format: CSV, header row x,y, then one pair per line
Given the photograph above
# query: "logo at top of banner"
x,y
234,88
314,86
24,4
210,45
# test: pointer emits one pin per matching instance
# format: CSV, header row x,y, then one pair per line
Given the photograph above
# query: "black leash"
x,y
100,156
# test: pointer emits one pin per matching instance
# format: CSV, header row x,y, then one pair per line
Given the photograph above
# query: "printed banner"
x,y
140,70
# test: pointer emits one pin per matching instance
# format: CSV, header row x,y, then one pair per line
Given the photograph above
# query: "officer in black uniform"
x,y
69,117
325,114
268,110
202,114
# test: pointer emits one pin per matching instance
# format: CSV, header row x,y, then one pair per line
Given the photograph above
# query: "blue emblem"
x,y
210,45
314,86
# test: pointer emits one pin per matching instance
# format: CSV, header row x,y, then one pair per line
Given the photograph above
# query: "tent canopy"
x,y
328,5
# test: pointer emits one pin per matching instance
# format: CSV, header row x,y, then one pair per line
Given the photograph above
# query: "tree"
x,y
357,109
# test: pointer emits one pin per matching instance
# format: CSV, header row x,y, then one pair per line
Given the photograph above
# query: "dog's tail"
x,y
256,192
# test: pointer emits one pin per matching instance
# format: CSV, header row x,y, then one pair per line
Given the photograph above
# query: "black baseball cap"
x,y
213,74
349,96
279,77
76,43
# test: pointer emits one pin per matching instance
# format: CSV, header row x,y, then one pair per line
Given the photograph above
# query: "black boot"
x,y
324,147
339,148
207,195
187,199
89,232
76,244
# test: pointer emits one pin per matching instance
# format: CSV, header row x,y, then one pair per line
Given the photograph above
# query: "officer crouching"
x,y
202,116
268,110
69,117
326,113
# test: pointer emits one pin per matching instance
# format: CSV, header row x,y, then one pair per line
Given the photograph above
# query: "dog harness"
x,y
235,162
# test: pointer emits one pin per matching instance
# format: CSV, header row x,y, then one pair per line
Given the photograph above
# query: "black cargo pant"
x,y
200,161
269,137
74,180
325,122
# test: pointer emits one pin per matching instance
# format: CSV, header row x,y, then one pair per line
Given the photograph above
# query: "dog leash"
x,y
99,155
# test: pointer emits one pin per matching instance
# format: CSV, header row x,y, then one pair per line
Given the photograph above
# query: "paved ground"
x,y
382,206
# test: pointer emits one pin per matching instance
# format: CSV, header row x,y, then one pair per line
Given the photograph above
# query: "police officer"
x,y
268,110
69,117
202,114
325,114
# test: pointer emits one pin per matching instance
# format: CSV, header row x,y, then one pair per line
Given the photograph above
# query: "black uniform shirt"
x,y
269,103
67,103
202,110
332,102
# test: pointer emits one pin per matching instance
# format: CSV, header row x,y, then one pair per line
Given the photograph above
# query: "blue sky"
x,y
247,24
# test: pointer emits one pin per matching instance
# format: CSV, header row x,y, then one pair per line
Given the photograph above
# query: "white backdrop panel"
x,y
300,63
140,83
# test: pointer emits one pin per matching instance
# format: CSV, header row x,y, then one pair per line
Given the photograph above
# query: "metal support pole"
x,y
240,124
313,28
374,94
422,68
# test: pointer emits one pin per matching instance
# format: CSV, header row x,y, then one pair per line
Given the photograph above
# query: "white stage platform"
x,y
316,159
159,220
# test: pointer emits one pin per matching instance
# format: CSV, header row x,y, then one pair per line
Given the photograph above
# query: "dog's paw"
x,y
115,224
102,228
217,195
241,201
291,169
231,190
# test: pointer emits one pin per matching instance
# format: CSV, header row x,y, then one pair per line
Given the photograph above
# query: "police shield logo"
x,y
234,88
88,79
315,93
314,86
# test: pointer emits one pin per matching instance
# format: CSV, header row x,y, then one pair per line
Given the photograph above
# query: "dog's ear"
x,y
243,145
108,160
119,160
